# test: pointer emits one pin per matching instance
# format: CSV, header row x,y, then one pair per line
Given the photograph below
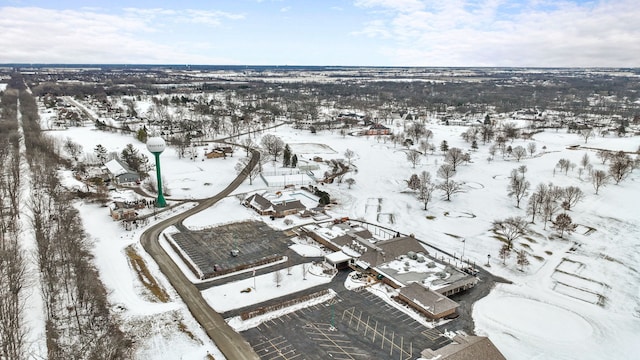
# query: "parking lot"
x,y
212,247
353,325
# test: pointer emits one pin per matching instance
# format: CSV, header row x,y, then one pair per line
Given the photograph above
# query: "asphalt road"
x,y
232,344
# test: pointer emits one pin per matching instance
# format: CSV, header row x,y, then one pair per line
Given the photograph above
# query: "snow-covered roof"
x,y
116,167
337,257
428,300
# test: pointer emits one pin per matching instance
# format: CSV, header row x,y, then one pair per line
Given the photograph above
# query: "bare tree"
x,y
603,155
510,131
413,157
272,145
564,165
504,253
550,205
536,201
446,172
305,269
277,278
350,182
531,147
253,173
448,186
492,151
518,187
73,149
586,134
511,228
416,131
426,188
247,143
584,160
349,155
572,195
455,157
599,178
518,152
533,206
521,259
487,133
621,166
424,146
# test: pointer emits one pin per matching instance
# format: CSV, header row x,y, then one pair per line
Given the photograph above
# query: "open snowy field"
x,y
261,288
579,297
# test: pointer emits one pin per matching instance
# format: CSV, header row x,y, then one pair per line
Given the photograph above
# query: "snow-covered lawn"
x,y
566,326
263,287
161,330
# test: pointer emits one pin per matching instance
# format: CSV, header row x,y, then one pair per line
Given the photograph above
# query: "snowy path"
x,y
34,314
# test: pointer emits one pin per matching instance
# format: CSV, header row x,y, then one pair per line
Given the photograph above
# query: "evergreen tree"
x,y
131,157
101,153
286,156
141,135
563,224
294,160
444,147
414,182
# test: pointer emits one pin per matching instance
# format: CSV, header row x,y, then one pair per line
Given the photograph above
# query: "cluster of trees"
x,y
425,186
621,165
548,199
12,257
78,322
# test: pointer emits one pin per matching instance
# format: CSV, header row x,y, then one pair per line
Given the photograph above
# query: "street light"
x,y
488,258
463,246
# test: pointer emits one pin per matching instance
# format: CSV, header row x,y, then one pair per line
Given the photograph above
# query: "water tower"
x,y
156,146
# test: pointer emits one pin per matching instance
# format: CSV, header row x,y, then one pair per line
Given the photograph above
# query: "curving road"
x,y
232,344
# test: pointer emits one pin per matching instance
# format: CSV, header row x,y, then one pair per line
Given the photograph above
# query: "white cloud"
x,y
375,28
398,5
494,33
69,36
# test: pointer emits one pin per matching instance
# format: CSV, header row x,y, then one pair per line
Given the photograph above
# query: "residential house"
x,y
219,151
120,172
120,211
377,129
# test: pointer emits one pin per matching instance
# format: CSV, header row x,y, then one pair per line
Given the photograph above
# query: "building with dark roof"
x,y
426,301
465,348
276,208
378,129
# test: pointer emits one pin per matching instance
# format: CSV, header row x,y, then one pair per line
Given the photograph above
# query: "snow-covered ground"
x,y
260,288
544,314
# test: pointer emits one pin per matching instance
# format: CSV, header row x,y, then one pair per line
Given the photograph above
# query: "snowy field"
x,y
260,288
544,314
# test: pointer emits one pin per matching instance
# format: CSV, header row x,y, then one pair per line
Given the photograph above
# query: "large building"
x,y
402,262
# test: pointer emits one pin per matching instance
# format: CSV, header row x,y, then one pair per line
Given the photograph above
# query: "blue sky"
x,y
540,33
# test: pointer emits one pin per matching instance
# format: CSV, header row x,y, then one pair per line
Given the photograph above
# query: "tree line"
x,y
78,322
